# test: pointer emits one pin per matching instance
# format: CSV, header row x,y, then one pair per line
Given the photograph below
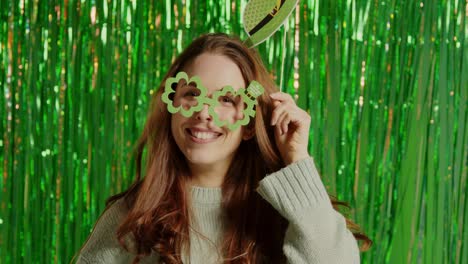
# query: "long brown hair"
x,y
159,210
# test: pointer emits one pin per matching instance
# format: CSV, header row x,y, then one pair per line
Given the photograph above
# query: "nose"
x,y
203,114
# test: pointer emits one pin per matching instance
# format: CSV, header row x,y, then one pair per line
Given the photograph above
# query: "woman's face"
x,y
200,140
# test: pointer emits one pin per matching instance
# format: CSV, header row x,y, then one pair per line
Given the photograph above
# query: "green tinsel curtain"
x,y
385,82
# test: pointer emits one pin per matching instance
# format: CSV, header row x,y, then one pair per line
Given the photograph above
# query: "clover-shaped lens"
x,y
228,107
184,94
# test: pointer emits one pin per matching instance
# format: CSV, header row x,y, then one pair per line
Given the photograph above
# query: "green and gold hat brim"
x,y
262,18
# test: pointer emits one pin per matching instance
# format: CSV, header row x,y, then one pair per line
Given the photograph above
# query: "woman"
x,y
214,195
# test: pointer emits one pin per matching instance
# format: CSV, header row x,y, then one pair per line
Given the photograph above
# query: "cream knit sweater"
x,y
316,232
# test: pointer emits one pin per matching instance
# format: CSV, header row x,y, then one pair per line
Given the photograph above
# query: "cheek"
x,y
229,114
176,119
175,123
235,137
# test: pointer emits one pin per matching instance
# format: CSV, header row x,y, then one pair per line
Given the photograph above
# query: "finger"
x,y
297,114
285,117
302,118
299,117
294,113
283,97
277,112
281,120
278,131
285,124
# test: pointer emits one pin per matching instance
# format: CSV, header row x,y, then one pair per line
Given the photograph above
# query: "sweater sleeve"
x,y
316,232
102,246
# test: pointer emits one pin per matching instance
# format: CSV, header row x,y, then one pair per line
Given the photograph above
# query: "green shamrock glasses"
x,y
227,106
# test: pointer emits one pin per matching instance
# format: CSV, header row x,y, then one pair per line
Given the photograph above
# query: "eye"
x,y
192,92
227,100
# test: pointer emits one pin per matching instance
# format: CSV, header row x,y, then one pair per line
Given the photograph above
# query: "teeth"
x,y
204,135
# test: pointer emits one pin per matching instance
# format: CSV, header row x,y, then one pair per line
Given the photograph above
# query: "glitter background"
x,y
385,82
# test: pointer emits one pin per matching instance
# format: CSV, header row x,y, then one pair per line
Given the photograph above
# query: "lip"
x,y
199,140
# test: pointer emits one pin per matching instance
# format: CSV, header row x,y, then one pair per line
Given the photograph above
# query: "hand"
x,y
291,128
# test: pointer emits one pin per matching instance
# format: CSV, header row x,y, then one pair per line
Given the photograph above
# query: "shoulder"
x,y
102,245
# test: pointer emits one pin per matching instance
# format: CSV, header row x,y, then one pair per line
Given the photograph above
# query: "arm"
x,y
102,245
316,232
82,260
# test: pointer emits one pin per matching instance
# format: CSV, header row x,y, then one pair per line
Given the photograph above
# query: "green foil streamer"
x,y
385,82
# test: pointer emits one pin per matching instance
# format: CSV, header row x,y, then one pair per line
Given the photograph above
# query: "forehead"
x,y
216,71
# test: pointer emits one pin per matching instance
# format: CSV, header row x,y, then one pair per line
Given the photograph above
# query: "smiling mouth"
x,y
202,135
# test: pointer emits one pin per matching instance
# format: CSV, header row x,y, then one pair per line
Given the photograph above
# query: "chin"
x,y
200,159
202,163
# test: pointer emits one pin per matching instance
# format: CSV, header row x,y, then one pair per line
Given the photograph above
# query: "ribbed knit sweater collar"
x,y
203,195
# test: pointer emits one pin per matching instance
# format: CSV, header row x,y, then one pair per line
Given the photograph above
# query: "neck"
x,y
210,175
